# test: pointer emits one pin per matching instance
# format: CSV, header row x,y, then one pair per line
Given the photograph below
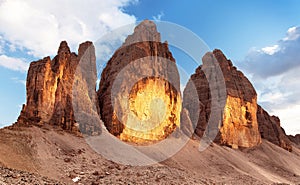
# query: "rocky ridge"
x,y
270,129
295,139
50,86
51,83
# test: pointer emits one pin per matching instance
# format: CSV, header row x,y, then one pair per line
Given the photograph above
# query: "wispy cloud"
x,y
12,48
17,80
15,64
158,16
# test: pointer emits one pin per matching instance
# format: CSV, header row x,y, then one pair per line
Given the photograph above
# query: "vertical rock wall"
x,y
49,88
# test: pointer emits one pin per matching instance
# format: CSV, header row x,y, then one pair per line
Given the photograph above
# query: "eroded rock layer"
x,y
49,87
139,95
270,129
238,126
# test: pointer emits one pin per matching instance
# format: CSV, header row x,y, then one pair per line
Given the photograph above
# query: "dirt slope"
x,y
66,158
265,164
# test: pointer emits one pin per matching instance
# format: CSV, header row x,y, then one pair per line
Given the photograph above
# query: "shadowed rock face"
x,y
238,125
295,139
270,129
49,87
147,90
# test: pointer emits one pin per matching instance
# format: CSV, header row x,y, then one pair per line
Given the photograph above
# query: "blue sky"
x,y
259,36
234,26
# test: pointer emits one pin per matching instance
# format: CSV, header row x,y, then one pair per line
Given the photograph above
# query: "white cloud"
x,y
2,44
17,80
277,59
158,16
15,64
270,50
12,48
290,118
292,34
280,96
275,73
39,26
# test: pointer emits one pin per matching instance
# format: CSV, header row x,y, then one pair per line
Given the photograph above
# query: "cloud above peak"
x,y
270,50
158,17
275,73
39,26
293,33
277,59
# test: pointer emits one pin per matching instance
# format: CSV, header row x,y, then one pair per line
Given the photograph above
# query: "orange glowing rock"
x,y
240,127
50,87
236,122
154,114
139,93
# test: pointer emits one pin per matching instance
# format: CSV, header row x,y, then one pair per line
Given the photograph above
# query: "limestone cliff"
x,y
49,88
139,95
238,127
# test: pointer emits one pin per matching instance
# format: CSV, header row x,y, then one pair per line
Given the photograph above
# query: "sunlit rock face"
x,y
154,111
238,125
49,87
139,95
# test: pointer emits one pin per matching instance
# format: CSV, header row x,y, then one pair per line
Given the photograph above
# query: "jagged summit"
x,y
237,83
145,31
63,48
49,87
83,47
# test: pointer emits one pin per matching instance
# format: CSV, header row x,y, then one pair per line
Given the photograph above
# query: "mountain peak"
x,y
63,48
145,31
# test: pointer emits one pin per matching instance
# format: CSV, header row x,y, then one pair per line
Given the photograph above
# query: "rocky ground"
x,y
69,159
10,176
42,154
